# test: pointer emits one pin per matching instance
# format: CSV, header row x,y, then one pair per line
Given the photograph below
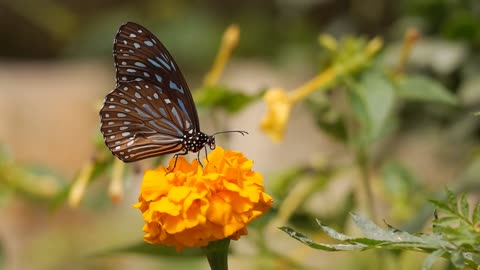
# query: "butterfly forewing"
x,y
140,56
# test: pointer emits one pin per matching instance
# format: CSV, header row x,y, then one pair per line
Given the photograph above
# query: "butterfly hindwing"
x,y
139,121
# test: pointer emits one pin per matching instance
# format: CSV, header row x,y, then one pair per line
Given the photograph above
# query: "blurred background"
x,y
56,66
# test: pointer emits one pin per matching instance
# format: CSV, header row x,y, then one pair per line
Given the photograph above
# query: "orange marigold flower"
x,y
193,206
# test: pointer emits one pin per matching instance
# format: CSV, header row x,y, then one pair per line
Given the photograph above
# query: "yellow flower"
x,y
193,206
279,106
280,103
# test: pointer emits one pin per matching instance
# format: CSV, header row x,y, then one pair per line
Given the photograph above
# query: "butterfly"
x,y
151,111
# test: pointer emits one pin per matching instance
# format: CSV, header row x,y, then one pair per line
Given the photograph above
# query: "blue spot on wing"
x,y
174,86
158,88
182,106
150,110
158,127
154,63
140,64
168,122
159,78
142,114
163,112
167,66
148,43
177,116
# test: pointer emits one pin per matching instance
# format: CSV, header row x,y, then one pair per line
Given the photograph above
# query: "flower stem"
x,y
78,188
115,190
216,253
411,36
363,163
229,42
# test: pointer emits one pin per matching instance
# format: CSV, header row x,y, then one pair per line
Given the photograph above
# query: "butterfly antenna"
x,y
231,131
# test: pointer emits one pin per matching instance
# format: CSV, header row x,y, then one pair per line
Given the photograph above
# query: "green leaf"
x,y
452,200
446,221
371,230
464,207
427,264
333,233
373,100
421,88
447,244
442,205
476,214
149,249
398,180
326,118
226,98
457,259
327,247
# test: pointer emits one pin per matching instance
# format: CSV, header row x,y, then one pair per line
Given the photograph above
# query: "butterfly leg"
x,y
198,158
206,154
176,158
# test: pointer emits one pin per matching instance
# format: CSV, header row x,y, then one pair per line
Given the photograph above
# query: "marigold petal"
x,y
177,194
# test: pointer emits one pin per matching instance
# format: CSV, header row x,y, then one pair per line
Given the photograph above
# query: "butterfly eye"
x,y
211,143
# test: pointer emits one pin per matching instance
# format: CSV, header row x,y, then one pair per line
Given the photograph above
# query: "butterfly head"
x,y
211,142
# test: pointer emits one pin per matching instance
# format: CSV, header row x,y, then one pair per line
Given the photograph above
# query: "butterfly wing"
x,y
138,121
139,55
151,109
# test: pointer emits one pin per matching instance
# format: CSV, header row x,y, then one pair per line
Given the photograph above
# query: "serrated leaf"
x,y
371,230
474,257
442,205
422,88
333,233
446,221
476,214
432,258
464,207
451,200
457,259
327,247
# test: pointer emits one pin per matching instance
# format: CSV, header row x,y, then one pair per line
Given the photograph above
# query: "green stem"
x,y
363,163
217,254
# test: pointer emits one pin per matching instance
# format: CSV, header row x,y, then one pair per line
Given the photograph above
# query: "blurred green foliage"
x,y
366,112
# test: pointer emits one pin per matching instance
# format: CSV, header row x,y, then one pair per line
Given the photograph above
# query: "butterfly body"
x,y
151,110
